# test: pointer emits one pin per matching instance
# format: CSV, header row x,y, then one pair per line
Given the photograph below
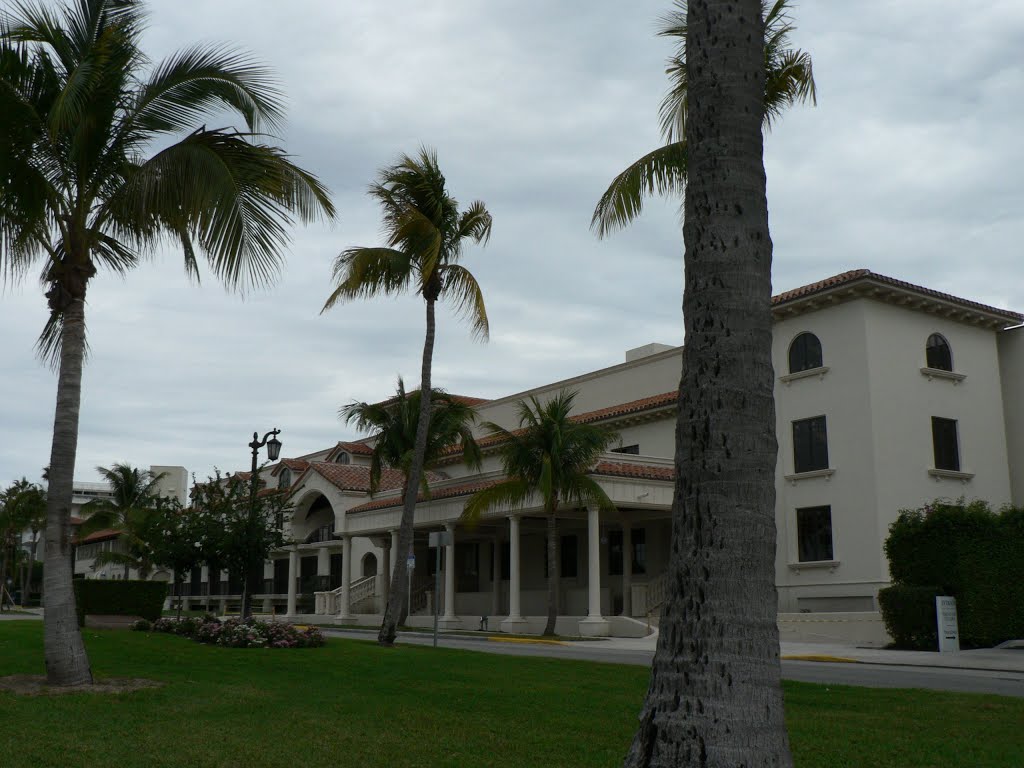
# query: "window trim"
x,y
820,372
939,373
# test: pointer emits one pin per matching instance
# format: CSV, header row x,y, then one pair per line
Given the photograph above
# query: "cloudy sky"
x,y
910,165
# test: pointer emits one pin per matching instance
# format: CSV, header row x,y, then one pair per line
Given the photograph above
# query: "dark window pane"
x,y
639,551
945,443
633,449
805,353
615,553
814,533
810,445
938,353
506,560
569,556
281,576
337,561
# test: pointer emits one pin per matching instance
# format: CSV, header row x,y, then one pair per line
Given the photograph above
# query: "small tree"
x,y
179,539
244,529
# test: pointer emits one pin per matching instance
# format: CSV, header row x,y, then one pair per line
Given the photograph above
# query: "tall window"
x,y
938,354
568,557
814,534
285,478
805,353
945,444
615,551
343,458
810,445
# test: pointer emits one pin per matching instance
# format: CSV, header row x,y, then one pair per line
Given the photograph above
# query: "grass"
x,y
354,704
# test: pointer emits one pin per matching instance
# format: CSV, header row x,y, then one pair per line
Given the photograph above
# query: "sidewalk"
x,y
991,659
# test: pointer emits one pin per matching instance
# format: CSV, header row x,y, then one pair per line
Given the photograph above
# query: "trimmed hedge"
x,y
959,549
909,615
119,598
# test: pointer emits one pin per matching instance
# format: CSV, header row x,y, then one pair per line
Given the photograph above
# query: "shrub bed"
x,y
235,633
119,598
909,615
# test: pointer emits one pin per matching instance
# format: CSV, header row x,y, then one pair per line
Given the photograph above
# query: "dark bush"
x,y
964,550
119,598
909,615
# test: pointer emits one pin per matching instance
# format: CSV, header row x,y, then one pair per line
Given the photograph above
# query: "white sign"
x,y
945,618
410,561
439,539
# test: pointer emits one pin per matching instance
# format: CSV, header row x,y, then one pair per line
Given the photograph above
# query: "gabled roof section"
x,y
863,283
295,465
357,448
354,477
104,535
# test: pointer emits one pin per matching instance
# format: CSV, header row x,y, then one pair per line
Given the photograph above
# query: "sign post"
x,y
436,540
945,618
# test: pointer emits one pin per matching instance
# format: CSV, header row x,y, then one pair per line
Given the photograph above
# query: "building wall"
x,y
1011,373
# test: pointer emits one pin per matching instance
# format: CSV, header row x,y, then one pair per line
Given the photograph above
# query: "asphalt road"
x,y
827,673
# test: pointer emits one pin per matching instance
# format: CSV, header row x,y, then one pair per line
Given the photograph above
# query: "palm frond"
x,y
367,272
467,298
660,172
510,494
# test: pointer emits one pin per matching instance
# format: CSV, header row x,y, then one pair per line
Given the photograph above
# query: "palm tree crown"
x,y
789,80
425,234
393,423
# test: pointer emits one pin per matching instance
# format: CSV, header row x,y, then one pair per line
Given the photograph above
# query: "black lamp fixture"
x,y
270,440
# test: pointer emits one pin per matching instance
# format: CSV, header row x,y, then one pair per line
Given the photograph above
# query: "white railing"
x,y
329,603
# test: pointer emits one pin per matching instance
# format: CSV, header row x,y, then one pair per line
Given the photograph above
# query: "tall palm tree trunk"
x,y
66,660
398,594
715,698
553,573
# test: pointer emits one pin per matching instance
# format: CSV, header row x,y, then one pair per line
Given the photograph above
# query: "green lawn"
x,y
354,704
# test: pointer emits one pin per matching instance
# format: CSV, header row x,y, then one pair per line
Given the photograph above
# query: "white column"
x,y
346,575
293,579
449,573
496,576
323,567
268,575
515,622
594,624
627,569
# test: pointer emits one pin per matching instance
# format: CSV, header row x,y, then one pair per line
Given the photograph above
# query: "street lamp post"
x,y
273,451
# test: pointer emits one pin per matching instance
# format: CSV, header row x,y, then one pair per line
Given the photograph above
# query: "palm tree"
x,y
101,160
715,697
393,424
28,506
425,236
789,80
549,455
128,512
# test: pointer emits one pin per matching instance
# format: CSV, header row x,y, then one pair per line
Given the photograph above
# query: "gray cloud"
x,y
909,166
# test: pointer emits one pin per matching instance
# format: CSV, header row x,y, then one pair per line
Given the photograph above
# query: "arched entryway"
x,y
369,564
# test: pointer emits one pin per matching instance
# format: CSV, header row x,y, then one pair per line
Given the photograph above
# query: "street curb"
x,y
818,657
525,641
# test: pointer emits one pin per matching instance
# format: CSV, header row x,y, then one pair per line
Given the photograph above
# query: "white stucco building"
x,y
888,395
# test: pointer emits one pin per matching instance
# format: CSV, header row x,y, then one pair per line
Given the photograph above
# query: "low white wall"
x,y
859,628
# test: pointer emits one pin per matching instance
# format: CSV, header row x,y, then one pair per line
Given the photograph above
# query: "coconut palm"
x,y
549,456
103,158
425,235
715,697
28,505
128,511
789,80
393,425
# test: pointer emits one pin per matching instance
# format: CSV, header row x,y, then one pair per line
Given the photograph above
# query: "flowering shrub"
x,y
234,633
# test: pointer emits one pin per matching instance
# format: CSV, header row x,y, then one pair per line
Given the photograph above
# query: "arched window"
x,y
805,353
938,353
343,458
284,480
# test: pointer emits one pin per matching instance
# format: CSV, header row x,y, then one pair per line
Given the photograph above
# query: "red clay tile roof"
x,y
856,275
297,465
441,493
358,448
106,533
352,477
611,468
629,469
651,403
